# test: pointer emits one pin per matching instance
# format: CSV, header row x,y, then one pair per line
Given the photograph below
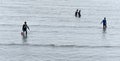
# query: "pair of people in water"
x,y
24,28
78,13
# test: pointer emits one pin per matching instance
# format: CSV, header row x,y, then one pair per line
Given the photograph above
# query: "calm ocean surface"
x,y
56,34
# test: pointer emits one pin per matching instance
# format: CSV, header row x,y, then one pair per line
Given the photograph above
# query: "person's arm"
x,y
28,27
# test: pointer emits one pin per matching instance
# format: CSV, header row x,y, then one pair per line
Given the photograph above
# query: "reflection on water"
x,y
24,38
104,33
104,30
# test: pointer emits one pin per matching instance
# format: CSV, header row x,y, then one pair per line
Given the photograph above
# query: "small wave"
x,y
9,25
61,46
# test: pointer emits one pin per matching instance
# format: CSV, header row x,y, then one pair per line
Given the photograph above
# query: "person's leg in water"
x,y
26,33
104,26
75,14
79,15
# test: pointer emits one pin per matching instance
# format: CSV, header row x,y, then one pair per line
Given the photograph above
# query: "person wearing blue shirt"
x,y
104,22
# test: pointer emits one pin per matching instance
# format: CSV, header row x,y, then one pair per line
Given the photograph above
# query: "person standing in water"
x,y
104,22
79,13
76,13
25,27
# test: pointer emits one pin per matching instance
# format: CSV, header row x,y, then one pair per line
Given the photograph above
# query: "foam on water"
x,y
57,46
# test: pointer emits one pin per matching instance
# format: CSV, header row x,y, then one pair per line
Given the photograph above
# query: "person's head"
x,y
25,22
77,10
104,18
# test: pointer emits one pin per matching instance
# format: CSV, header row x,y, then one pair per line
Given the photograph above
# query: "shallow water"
x,y
55,34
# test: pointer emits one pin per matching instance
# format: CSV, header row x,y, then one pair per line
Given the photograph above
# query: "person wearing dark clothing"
x,y
76,13
79,13
25,27
104,22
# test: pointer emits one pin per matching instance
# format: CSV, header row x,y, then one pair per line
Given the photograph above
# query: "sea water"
x,y
56,34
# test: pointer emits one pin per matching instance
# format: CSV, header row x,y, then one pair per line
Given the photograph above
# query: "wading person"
x,y
76,13
24,28
104,22
79,13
